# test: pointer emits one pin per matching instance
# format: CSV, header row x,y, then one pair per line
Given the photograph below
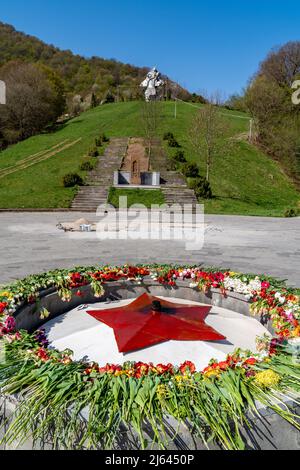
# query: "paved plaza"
x,y
31,243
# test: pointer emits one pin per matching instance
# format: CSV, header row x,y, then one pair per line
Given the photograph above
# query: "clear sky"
x,y
204,45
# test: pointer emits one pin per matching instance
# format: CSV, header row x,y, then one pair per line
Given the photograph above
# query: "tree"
x,y
58,88
94,101
150,115
31,101
236,102
282,64
269,99
207,134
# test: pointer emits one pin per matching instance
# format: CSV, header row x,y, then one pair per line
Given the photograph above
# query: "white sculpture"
x,y
152,84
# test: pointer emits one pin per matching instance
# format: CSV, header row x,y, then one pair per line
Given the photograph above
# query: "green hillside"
x,y
244,182
80,75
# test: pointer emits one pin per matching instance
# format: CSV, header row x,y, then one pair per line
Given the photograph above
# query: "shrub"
x,y
291,213
190,170
86,166
172,165
93,152
202,188
72,179
173,143
168,136
98,141
179,156
193,182
104,138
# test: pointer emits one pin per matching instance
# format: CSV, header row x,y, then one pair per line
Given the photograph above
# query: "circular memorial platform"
x,y
95,341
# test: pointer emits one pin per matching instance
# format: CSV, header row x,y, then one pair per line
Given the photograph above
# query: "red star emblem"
x,y
149,320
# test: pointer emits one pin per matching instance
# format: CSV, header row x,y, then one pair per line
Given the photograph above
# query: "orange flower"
x,y
251,361
187,366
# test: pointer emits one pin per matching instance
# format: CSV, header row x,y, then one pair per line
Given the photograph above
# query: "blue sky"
x,y
204,45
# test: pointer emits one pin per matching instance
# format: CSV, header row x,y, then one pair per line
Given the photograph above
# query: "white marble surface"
x,y
95,341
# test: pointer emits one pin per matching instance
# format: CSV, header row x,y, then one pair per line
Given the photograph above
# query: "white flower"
x,y
193,285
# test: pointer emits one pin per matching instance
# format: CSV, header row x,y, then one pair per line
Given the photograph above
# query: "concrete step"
x,y
101,177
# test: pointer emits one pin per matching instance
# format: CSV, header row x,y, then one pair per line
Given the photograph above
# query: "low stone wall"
x,y
269,430
28,316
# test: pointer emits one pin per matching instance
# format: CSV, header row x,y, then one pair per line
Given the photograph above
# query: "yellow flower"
x,y
6,294
212,372
130,372
118,373
267,378
296,332
161,391
182,380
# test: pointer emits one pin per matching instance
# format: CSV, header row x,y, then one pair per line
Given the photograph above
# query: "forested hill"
x,y
80,75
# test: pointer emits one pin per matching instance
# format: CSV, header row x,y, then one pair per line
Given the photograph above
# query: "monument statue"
x,y
152,84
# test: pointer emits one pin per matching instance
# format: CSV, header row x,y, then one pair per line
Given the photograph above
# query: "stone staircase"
x,y
175,189
100,179
173,184
95,193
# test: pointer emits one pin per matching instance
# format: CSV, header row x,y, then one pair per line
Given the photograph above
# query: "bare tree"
x,y
207,134
150,116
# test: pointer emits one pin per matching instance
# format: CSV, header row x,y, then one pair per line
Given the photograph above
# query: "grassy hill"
x,y
244,182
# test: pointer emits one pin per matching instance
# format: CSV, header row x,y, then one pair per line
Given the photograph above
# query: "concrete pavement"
x,y
30,243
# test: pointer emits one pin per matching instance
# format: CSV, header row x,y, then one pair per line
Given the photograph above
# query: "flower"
x,y
43,355
161,391
8,327
182,380
187,367
141,369
211,371
3,306
41,338
110,369
296,332
267,378
250,362
164,369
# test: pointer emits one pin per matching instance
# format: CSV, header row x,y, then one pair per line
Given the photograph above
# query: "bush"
x,y
179,156
93,152
86,166
202,188
104,138
98,141
173,143
72,179
168,136
291,213
190,170
172,165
